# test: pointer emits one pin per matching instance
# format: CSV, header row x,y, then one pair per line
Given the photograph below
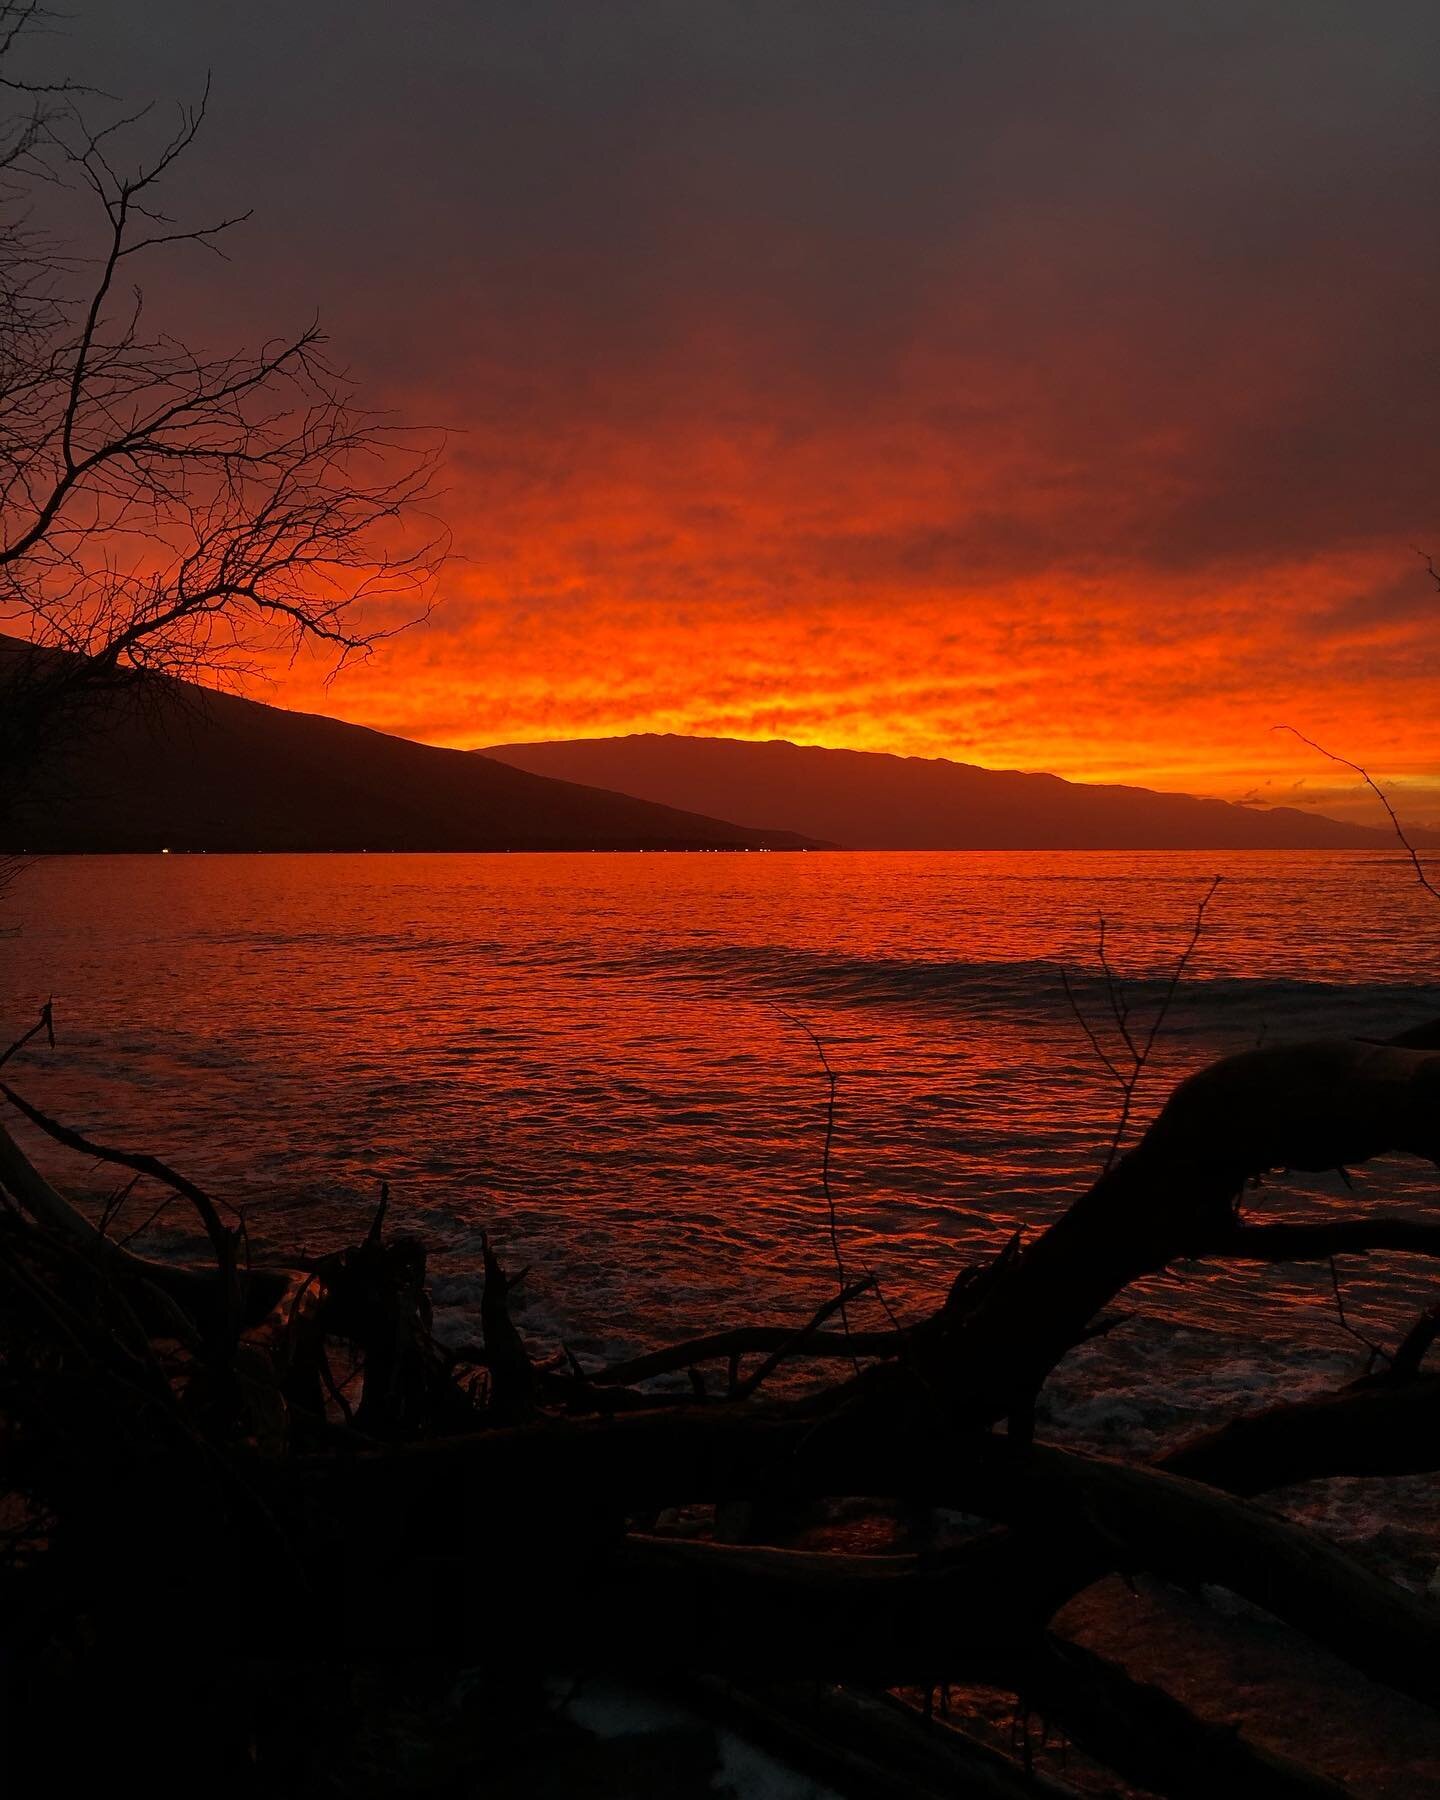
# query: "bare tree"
x,y
167,507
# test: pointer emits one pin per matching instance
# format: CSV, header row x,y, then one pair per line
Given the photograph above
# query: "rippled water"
x,y
591,1056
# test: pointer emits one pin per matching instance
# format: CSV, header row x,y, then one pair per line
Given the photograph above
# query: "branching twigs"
x,y
247,1292
1128,1064
797,1342
114,1203
166,509
207,1210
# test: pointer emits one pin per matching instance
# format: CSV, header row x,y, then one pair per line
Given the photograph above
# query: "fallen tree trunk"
x,y
1290,1242
886,1620
1379,1429
1324,1105
511,1548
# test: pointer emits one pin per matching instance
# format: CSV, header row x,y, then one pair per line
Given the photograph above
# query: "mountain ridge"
x,y
173,766
867,799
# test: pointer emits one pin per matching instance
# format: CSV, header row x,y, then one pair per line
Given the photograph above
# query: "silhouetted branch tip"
x,y
1380,795
1127,1064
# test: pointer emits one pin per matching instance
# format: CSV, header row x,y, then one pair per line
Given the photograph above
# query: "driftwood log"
x,y
296,1444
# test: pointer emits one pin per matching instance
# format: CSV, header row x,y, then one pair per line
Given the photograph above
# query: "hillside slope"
x,y
195,770
867,800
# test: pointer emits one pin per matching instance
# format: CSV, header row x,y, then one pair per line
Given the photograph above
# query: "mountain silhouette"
x,y
179,767
871,801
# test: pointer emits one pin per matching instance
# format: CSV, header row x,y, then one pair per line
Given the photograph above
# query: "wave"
x,y
1023,986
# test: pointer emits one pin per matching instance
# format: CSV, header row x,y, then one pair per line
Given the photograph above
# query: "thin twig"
x,y
1380,795
1132,1052
833,1081
146,1222
115,1202
742,1390
143,1164
1359,1336
223,1241
45,1023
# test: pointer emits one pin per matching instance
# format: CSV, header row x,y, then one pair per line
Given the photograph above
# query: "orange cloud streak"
x,y
900,579
1046,386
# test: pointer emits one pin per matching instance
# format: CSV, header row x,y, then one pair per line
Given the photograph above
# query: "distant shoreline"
x,y
1287,850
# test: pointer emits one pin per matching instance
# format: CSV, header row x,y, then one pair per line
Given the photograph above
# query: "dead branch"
x,y
1303,1242
245,1294
512,1377
44,1024
1377,791
529,1521
1127,1063
832,1083
745,1340
799,1341
1410,1353
885,1619
1381,1428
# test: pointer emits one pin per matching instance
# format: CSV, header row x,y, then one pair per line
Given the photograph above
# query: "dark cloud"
x,y
773,305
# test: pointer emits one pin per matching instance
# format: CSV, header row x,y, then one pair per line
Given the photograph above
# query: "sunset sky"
x,y
1046,385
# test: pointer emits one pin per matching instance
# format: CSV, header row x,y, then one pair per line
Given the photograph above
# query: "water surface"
x,y
591,1057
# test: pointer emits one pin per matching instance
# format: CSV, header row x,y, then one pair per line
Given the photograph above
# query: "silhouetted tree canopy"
x,y
166,505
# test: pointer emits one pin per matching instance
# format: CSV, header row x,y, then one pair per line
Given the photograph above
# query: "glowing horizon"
x,y
1168,716
976,383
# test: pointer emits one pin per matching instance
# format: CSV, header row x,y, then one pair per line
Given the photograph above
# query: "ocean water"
x,y
604,1061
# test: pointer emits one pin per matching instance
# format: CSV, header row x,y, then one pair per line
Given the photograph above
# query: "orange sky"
x,y
953,568
1044,386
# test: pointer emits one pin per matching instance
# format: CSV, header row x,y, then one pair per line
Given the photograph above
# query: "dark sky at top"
x,y
894,355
